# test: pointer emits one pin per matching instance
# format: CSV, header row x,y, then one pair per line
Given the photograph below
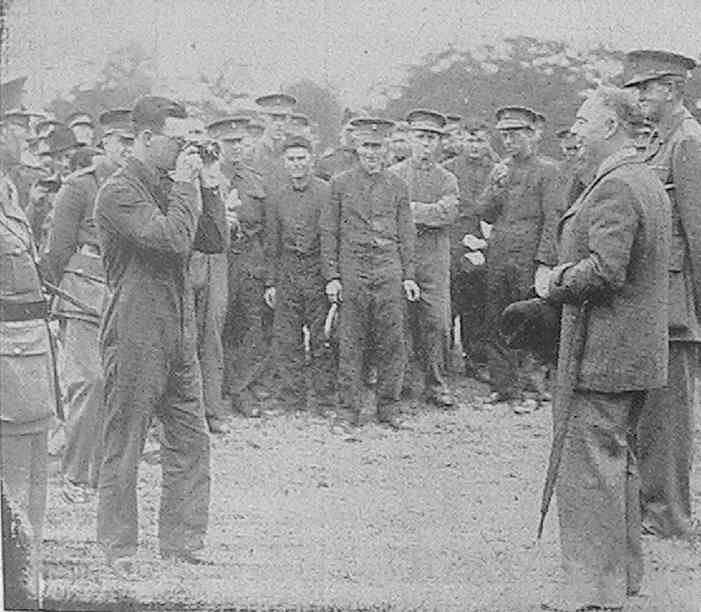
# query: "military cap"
x,y
540,118
48,125
276,104
17,116
117,121
61,139
453,119
79,118
299,120
400,126
228,128
564,133
297,141
474,125
370,129
646,65
11,93
426,120
515,118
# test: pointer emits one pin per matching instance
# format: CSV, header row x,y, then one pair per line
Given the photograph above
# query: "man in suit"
x,y
611,280
666,434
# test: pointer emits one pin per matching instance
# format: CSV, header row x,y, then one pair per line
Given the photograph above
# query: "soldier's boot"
x,y
388,413
440,396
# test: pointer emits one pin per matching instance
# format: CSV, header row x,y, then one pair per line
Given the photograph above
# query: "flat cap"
x,y
228,128
532,324
425,120
116,121
515,118
296,140
370,129
276,104
647,65
61,139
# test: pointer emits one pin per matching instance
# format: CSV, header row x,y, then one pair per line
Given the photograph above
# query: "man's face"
x,y
592,126
424,144
475,146
653,97
298,162
232,149
116,147
371,155
62,162
276,124
165,146
83,133
518,142
452,142
46,162
399,146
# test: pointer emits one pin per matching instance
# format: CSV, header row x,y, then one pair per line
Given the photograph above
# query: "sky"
x,y
357,47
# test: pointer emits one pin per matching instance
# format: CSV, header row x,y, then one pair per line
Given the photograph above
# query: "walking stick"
x,y
563,405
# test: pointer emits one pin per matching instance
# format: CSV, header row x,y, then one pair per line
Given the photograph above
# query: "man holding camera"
x,y
149,222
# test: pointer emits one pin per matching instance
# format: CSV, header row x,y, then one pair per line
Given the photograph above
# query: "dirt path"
x,y
439,517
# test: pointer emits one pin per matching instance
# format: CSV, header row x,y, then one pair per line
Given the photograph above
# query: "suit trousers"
x,y
598,499
666,444
83,383
141,380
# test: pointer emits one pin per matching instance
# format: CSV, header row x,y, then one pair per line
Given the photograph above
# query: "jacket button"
x,y
17,350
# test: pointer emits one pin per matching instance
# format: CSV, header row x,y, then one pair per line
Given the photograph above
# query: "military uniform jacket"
x,y
148,227
367,230
472,177
614,245
26,373
433,192
525,212
674,153
72,259
247,244
336,161
293,232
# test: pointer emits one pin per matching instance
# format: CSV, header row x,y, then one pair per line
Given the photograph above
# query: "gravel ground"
x,y
441,516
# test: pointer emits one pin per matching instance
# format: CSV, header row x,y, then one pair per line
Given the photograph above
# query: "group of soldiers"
x,y
197,268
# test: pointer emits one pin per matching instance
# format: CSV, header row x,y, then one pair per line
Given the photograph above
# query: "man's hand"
x,y
501,172
269,296
542,281
411,290
474,243
333,291
188,166
232,204
37,192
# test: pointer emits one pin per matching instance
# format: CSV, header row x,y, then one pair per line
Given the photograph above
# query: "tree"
x,y
322,106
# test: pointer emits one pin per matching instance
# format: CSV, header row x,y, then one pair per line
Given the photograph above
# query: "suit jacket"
x,y
674,153
613,248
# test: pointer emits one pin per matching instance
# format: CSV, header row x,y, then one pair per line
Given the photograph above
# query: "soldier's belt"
x,y
27,311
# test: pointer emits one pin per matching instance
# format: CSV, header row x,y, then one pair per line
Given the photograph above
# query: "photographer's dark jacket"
x,y
148,227
613,248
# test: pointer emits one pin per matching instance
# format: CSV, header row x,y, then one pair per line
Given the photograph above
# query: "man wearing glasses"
x,y
150,216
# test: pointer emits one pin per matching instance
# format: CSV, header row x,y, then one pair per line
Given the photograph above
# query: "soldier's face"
x,y
62,162
371,155
517,143
399,147
83,133
474,146
116,148
276,126
232,149
298,162
452,143
424,145
653,97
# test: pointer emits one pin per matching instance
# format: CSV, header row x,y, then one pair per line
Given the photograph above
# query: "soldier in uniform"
x,y
299,125
666,432
295,284
340,159
611,281
522,199
27,396
149,222
73,261
82,126
468,284
255,129
399,147
367,253
433,192
246,347
452,141
276,109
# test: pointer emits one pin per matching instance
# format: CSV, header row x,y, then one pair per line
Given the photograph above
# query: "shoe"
x,y
498,397
75,493
124,567
184,556
443,399
390,418
524,407
218,426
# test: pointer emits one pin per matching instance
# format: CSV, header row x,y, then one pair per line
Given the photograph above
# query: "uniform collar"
x,y
303,187
669,124
422,164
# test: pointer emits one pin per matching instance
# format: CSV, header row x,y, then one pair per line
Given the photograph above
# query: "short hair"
x,y
622,102
151,112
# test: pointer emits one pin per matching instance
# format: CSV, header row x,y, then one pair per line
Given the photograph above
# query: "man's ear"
x,y
146,136
612,125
